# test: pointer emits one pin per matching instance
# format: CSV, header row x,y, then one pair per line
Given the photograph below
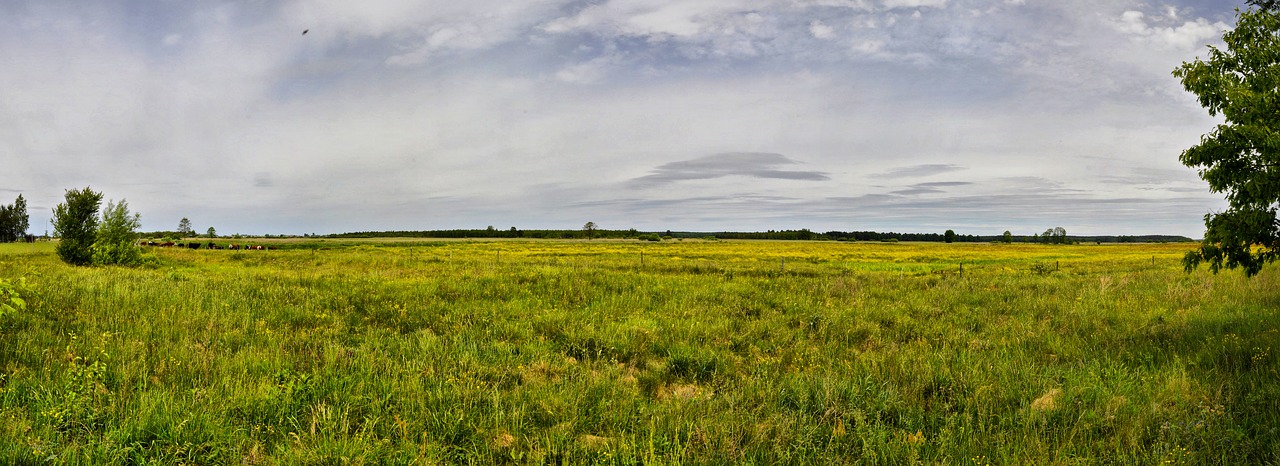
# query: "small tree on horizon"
x,y
185,229
212,233
589,230
1008,237
949,236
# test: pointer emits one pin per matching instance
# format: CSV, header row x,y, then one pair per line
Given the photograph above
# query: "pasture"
x,y
692,352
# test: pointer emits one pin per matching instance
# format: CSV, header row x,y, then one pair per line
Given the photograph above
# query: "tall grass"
x,y
619,352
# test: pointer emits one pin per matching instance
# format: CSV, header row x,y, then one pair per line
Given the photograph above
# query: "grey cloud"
x,y
919,171
929,188
1148,176
749,164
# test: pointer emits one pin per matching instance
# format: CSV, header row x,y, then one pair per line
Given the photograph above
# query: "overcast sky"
x,y
906,115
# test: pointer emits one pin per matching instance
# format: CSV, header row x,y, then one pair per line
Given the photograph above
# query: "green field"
x,y
570,352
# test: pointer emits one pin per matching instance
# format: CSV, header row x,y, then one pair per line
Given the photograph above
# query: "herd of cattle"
x,y
209,245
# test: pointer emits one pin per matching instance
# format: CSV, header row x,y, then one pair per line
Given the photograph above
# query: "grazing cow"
x,y
234,247
29,238
194,245
166,244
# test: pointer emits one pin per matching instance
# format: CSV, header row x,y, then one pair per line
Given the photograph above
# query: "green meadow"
x,y
616,352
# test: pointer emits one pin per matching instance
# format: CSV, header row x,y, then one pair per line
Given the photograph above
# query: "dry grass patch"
x,y
1047,402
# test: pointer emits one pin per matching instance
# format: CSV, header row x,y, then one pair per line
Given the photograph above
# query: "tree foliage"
x,y
14,221
185,229
76,222
117,239
949,236
1240,157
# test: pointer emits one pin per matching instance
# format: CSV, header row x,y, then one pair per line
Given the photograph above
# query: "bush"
x,y
117,241
76,222
1043,268
649,237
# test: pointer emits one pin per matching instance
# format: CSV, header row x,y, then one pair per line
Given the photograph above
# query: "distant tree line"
x,y
1055,235
886,236
491,232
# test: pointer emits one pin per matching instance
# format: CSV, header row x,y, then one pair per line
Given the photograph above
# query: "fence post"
x,y
962,269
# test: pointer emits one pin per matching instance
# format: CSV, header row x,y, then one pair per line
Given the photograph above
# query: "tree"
x,y
212,233
589,230
1264,4
21,221
1008,237
1059,235
1240,157
76,222
949,236
185,229
14,221
117,240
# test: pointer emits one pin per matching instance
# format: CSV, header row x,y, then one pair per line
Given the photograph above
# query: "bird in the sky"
x,y
304,31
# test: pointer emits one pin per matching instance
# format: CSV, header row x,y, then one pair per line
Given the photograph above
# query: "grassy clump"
x,y
699,352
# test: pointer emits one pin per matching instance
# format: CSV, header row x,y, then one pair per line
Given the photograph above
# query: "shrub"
x,y
117,239
76,222
1043,268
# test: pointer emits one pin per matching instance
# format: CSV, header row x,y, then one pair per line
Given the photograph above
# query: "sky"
x,y
688,115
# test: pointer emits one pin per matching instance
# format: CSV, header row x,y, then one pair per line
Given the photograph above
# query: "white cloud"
x,y
821,30
1188,35
420,29
657,18
891,4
